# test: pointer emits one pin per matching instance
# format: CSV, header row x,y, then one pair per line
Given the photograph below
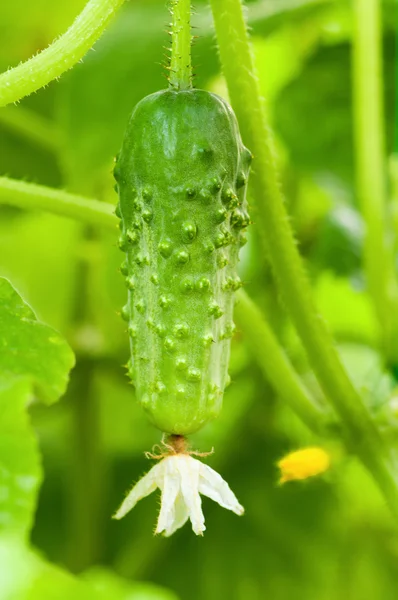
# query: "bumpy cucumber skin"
x,y
181,177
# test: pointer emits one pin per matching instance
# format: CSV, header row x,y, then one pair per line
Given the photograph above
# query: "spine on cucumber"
x,y
181,177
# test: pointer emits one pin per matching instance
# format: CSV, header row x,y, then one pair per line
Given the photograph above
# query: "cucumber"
x,y
181,176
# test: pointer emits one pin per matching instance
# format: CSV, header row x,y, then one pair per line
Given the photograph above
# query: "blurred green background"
x,y
325,539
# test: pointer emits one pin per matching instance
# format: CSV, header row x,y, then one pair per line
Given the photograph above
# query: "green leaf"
x,y
348,311
32,356
31,349
20,470
24,575
117,588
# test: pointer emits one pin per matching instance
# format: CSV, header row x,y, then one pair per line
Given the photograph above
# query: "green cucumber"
x,y
181,177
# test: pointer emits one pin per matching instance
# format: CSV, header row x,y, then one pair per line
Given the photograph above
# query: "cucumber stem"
x,y
180,63
61,55
359,430
371,167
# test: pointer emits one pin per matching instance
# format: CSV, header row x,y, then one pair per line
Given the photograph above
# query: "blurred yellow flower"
x,y
304,463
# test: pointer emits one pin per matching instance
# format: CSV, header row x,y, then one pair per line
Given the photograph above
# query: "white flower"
x,y
181,479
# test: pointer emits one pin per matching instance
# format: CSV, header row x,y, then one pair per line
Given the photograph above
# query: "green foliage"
x,y
33,358
26,576
327,114
30,349
64,466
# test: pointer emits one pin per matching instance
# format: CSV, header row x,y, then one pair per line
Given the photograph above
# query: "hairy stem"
x,y
39,197
268,353
272,218
275,364
61,55
180,63
370,162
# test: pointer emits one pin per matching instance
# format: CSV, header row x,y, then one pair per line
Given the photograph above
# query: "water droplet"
x,y
147,194
122,243
181,363
147,215
140,306
130,282
220,215
182,257
132,236
137,224
207,340
203,284
145,400
205,195
165,248
190,193
181,330
124,268
160,387
180,392
241,180
132,331
160,330
242,240
187,285
215,310
189,231
170,344
205,152
125,313
194,374
209,247
116,171
215,185
222,260
247,156
164,301
229,197
137,205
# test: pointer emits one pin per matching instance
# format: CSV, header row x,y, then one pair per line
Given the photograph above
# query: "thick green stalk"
x,y
180,64
370,162
61,55
273,221
275,364
38,197
268,353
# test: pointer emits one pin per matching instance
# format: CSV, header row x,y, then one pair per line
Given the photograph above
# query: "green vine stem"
x,y
39,197
61,55
31,126
393,177
371,163
180,64
271,358
275,364
273,220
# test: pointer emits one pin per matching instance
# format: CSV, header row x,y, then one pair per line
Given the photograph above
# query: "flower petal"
x,y
189,470
212,485
170,487
181,516
145,486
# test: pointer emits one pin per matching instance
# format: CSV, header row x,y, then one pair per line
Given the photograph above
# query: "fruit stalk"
x,y
180,64
277,235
